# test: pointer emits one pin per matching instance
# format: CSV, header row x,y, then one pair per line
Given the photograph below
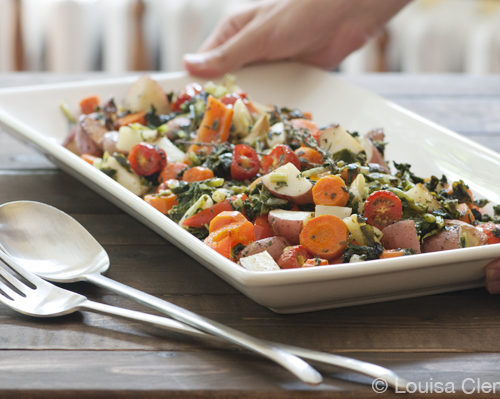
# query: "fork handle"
x,y
292,363
344,362
358,366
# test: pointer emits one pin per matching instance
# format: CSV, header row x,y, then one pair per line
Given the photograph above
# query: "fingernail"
x,y
193,58
493,287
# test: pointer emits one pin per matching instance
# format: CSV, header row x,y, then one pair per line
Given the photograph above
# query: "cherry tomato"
x,y
189,92
280,155
231,98
382,208
146,159
293,257
492,230
245,164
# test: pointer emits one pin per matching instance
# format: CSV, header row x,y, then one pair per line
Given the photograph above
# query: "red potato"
x,y
288,183
70,142
273,245
288,224
451,237
109,142
145,93
402,234
89,135
372,153
175,124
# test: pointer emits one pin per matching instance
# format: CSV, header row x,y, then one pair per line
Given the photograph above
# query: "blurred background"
x,y
429,36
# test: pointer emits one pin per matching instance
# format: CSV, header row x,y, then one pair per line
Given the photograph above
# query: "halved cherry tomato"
x,y
280,155
189,92
492,230
382,208
146,159
245,164
293,257
231,98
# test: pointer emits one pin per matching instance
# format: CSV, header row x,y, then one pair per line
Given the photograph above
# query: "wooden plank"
x,y
113,374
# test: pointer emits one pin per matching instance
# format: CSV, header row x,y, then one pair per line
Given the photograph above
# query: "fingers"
x,y
241,49
492,272
231,46
227,29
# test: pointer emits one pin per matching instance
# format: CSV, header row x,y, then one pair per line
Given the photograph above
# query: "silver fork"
x,y
28,294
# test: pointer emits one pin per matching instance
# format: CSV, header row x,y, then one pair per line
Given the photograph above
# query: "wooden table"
x,y
443,339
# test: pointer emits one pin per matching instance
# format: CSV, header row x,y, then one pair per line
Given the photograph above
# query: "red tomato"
x,y
230,99
492,230
146,159
262,228
189,92
293,257
245,164
280,155
382,208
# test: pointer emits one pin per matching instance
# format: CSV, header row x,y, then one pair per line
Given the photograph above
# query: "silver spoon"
x,y
53,245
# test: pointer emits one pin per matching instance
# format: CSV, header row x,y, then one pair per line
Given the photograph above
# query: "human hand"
x,y
492,273
317,32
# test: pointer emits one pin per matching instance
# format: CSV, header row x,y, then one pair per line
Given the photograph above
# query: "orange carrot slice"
x,y
137,117
324,236
161,202
216,122
89,104
330,190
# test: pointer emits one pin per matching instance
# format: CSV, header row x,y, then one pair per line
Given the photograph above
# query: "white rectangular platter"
x,y
32,114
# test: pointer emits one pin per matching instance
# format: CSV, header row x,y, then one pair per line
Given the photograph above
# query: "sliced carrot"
x,y
307,115
309,157
226,218
324,236
89,158
171,171
216,122
222,246
230,225
315,262
307,124
391,253
466,214
89,104
330,190
137,117
161,202
197,173
262,228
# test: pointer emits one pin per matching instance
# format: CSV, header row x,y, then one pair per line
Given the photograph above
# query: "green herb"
x,y
366,252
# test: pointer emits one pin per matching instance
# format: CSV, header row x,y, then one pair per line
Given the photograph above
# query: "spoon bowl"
x,y
49,242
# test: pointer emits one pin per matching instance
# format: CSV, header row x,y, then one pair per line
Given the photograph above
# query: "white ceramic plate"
x,y
33,115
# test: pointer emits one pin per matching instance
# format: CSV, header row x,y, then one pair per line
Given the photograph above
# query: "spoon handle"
x,y
292,363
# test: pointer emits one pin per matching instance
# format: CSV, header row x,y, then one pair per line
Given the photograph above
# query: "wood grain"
x,y
446,338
